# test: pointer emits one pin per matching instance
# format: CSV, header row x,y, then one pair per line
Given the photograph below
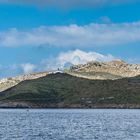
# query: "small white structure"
x,y
57,71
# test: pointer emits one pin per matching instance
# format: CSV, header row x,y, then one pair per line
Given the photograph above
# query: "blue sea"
x,y
69,124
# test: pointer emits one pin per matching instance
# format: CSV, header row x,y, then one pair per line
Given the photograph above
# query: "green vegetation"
x,y
63,90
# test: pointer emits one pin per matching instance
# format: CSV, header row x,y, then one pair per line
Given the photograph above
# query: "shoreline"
x,y
109,108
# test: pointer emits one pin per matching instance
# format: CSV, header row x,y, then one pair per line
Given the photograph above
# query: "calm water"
x,y
69,124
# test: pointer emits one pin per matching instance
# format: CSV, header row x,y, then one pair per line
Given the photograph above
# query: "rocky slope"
x,y
10,82
65,91
105,70
116,69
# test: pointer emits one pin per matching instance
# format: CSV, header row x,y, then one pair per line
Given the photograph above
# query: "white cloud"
x,y
27,68
17,69
74,58
62,60
73,35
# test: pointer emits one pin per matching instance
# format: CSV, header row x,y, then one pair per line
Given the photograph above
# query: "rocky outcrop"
x,y
10,82
106,70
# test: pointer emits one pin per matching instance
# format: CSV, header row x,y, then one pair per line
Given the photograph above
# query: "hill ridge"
x,y
115,69
66,91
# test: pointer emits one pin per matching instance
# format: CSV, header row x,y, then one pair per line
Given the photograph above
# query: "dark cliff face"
x,y
66,91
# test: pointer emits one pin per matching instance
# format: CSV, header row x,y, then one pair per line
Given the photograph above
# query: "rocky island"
x,y
113,84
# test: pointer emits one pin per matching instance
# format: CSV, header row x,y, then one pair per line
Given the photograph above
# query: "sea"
x,y
69,124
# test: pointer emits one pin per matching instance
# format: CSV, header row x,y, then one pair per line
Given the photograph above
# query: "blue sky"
x,y
40,35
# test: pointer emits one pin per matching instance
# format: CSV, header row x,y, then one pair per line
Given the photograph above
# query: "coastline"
x,y
111,106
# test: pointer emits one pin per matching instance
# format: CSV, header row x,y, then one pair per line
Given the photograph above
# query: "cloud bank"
x,y
66,59
68,3
91,35
62,61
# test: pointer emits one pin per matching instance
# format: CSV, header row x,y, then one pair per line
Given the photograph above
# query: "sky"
x,y
43,35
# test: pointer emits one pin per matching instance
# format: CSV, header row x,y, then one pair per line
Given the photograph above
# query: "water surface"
x,y
69,124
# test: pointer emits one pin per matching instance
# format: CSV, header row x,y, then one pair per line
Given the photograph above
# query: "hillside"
x,y
105,70
10,82
66,91
116,69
